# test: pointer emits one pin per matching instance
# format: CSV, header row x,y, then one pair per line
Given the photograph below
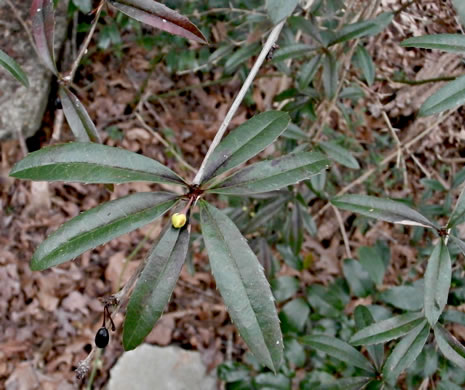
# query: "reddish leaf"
x,y
159,16
43,25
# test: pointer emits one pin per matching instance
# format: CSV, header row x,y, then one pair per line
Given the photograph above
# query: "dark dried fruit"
x,y
102,338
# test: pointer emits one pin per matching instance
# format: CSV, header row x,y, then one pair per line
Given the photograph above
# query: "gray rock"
x,y
154,368
22,109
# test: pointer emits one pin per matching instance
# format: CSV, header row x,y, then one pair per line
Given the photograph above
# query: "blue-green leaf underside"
x,y
78,119
99,225
445,42
155,285
91,163
243,286
383,209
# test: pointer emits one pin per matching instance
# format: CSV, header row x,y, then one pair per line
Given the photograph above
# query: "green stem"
x,y
420,82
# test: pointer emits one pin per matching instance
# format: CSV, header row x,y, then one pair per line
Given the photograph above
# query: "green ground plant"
x,y
312,332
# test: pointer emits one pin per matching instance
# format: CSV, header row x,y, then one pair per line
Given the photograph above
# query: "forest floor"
x,y
48,319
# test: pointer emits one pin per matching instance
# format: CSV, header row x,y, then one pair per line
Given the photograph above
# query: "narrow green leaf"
x,y
266,213
91,163
449,96
245,142
353,383
364,28
372,262
330,75
14,68
284,287
395,296
458,214
79,120
85,6
358,279
383,209
453,316
272,175
308,25
270,381
240,56
159,16
295,132
243,286
363,61
294,315
100,225
278,10
294,352
449,346
406,352
307,71
308,221
295,233
458,242
363,318
339,154
437,282
327,301
155,285
338,349
295,50
43,26
387,330
445,42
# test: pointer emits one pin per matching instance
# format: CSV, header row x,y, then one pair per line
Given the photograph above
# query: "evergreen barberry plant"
x,y
318,81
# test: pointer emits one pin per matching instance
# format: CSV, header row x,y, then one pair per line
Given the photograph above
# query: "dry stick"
x,y
343,232
240,96
82,51
21,20
386,160
165,143
400,163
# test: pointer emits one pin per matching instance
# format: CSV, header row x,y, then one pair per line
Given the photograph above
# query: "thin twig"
x,y
386,160
22,21
345,69
82,51
165,143
394,135
419,82
240,96
343,232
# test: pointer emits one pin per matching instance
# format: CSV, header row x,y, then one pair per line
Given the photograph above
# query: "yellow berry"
x,y
178,220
